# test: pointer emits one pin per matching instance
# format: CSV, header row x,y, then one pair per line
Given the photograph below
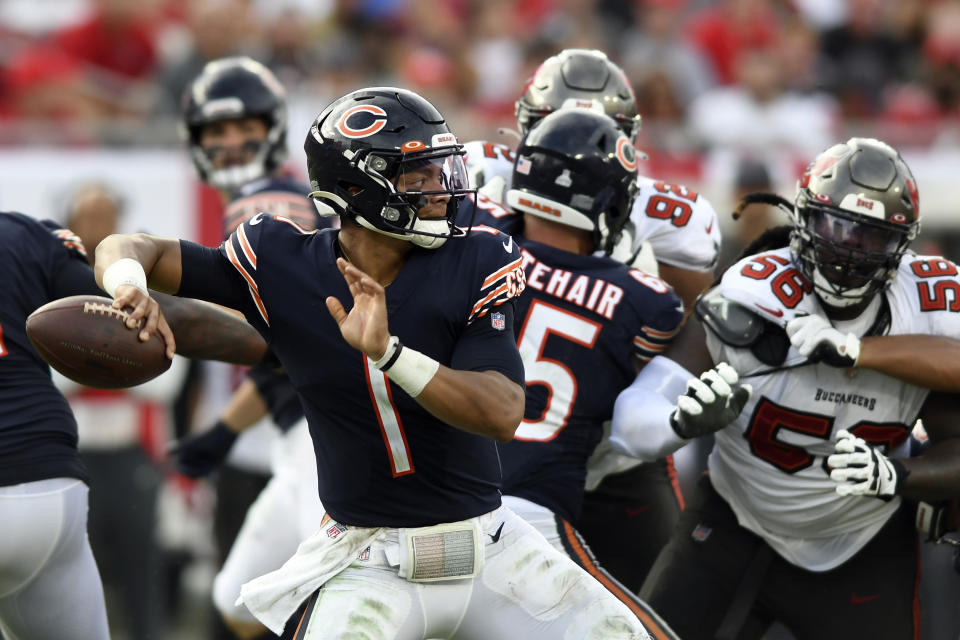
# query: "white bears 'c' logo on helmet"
x,y
626,154
379,121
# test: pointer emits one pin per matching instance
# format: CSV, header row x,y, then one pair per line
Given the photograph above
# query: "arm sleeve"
x,y
279,394
74,278
490,345
208,275
641,415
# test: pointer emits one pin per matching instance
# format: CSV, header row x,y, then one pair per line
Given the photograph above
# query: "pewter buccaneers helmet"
x,y
583,78
360,147
855,214
230,88
577,168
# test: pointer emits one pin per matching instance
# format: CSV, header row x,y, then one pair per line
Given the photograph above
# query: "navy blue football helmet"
x,y
379,156
230,88
578,168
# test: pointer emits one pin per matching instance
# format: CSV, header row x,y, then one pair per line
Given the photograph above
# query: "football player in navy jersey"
x,y
808,503
397,332
630,508
235,127
49,584
585,324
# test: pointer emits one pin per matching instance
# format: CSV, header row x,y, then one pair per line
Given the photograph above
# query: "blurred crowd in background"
x,y
722,72
735,93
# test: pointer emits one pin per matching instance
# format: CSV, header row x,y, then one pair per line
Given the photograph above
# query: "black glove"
x,y
711,402
196,456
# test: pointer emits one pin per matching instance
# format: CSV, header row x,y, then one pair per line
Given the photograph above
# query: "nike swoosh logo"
x,y
855,599
257,219
631,511
508,247
777,313
496,536
710,227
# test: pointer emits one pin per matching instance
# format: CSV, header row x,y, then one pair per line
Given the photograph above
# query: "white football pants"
x,y
285,513
50,588
525,589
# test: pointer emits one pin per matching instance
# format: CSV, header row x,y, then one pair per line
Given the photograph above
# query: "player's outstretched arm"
x,y
688,284
205,331
927,361
486,402
861,469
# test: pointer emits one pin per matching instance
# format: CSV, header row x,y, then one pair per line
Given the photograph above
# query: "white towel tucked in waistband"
x,y
273,597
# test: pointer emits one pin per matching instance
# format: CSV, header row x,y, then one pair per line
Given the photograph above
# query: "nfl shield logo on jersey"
x,y
701,533
334,530
498,321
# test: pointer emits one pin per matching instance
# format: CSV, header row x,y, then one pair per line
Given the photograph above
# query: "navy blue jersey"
x,y
280,195
277,195
481,211
38,434
582,325
382,459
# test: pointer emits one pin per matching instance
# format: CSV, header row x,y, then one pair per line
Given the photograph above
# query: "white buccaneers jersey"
x,y
679,224
770,464
490,167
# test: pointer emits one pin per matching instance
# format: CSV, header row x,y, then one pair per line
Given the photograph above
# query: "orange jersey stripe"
x,y
653,626
499,273
490,296
245,245
254,292
653,333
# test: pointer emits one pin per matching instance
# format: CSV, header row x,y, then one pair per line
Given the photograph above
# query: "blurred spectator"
x,y
752,176
45,84
726,28
496,57
121,438
116,38
758,116
218,28
941,51
655,47
863,56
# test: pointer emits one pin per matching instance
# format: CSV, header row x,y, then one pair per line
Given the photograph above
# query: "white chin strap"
x,y
232,178
428,226
824,288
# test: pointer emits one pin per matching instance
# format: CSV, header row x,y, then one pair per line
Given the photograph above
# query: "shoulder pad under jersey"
x,y
738,326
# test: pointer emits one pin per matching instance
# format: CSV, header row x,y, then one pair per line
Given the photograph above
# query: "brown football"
x,y
85,339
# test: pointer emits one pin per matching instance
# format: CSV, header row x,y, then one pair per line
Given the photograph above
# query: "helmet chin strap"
x,y
415,235
824,290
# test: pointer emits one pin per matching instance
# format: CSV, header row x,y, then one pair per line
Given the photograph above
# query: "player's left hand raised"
x,y
816,339
862,470
365,327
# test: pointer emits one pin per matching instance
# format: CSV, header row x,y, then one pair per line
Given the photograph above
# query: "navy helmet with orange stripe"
x,y
577,168
384,158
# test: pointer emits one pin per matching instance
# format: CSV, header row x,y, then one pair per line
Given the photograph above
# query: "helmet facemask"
x,y
847,257
416,194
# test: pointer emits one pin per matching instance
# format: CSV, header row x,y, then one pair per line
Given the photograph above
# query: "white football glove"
x,y
862,470
711,402
817,340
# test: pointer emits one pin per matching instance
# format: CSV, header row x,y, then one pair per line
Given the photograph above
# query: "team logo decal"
x,y
379,121
412,145
626,154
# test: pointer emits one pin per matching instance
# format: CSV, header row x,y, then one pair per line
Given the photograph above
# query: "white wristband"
x,y
124,271
408,369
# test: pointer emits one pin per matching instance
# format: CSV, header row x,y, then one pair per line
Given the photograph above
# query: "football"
x,y
85,339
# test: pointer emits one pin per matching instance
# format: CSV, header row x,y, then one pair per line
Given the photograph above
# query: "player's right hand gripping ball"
x,y
711,402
